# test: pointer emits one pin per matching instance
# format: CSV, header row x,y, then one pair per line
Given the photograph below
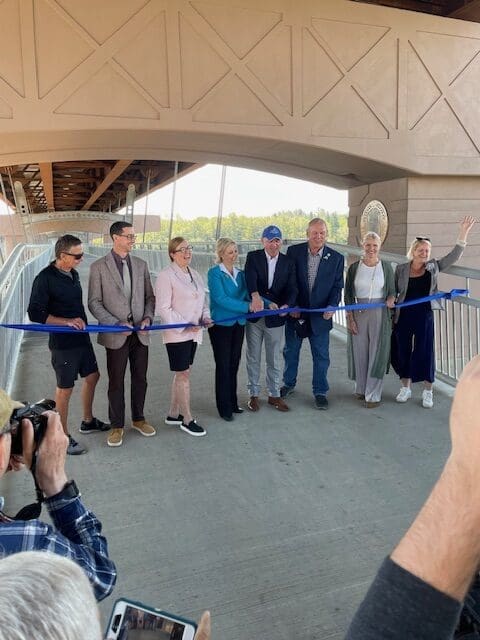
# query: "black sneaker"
x,y
238,410
75,448
321,402
193,428
177,421
94,426
286,391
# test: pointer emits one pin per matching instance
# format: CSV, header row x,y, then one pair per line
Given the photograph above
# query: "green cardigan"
x,y
382,356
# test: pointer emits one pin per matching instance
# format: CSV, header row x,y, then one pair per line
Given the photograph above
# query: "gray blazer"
x,y
402,275
108,302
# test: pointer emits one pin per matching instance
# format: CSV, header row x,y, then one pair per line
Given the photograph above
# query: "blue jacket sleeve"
x,y
336,290
221,297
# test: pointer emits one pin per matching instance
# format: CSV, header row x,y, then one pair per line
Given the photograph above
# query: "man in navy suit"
x,y
271,282
319,272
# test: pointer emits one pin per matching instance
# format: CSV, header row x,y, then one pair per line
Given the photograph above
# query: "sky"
x,y
247,192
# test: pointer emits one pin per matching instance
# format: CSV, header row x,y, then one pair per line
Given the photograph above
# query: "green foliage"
x,y
244,228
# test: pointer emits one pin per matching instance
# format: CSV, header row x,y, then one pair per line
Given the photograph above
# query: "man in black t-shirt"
x,y
56,298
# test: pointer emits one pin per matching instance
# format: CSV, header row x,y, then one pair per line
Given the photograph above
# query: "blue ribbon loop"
x,y
101,328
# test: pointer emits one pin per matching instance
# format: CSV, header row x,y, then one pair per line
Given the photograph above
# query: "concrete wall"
x,y
338,92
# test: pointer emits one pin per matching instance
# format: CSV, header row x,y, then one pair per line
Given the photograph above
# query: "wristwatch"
x,y
70,490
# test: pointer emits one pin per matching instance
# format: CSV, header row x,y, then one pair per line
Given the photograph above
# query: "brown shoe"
x,y
143,427
278,403
253,403
372,405
360,396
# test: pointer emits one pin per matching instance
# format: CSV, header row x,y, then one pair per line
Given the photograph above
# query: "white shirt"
x,y
232,277
272,263
369,281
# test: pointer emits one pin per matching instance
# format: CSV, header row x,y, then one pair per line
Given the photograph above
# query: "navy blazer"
x,y
328,285
284,285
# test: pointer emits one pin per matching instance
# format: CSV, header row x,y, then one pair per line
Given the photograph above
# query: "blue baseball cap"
x,y
271,232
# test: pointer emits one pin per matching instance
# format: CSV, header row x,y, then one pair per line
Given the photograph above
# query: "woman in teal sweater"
x,y
228,298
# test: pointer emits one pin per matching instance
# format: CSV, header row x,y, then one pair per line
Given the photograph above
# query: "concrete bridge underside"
x,y
347,94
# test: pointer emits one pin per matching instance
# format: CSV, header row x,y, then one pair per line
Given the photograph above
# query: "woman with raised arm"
x,y
413,355
369,331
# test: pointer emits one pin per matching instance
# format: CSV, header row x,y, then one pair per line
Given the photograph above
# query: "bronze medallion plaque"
x,y
374,218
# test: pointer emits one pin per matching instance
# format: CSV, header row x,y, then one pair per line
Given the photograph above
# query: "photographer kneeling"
x,y
76,532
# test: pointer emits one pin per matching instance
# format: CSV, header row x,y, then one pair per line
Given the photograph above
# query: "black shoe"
x,y
321,402
227,418
75,448
286,391
238,410
95,425
193,428
177,421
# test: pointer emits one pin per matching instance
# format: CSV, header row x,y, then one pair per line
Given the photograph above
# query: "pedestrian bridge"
x,y
275,522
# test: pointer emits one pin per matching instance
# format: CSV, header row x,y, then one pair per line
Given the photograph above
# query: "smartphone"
x,y
131,620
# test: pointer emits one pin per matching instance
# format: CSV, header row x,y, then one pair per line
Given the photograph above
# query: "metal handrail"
x,y
16,279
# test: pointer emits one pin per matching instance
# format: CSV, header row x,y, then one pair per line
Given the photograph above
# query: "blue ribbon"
x,y
102,328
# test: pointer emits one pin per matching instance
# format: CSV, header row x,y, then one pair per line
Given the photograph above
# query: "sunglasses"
x,y
422,239
184,249
77,256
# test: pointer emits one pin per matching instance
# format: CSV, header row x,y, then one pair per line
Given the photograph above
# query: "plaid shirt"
x,y
75,534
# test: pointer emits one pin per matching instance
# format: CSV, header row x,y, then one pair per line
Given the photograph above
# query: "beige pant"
x,y
365,344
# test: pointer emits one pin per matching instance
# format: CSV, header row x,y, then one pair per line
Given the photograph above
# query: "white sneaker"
x,y
427,398
404,394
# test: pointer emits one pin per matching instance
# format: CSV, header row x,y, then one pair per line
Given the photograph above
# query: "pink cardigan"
x,y
177,299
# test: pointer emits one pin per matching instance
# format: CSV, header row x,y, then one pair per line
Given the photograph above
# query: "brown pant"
x,y
137,354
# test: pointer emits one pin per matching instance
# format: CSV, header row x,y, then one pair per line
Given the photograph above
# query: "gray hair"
x,y
221,247
65,243
43,595
373,236
317,221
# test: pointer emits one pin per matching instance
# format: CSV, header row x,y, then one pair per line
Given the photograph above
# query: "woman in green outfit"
x,y
369,331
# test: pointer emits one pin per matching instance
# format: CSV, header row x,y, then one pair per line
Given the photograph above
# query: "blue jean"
x,y
319,346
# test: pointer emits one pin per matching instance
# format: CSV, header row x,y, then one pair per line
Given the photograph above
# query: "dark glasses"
x,y
422,239
77,256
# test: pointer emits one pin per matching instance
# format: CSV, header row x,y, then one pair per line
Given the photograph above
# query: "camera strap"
x,y
32,511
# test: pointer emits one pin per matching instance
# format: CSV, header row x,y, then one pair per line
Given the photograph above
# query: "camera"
x,y
32,412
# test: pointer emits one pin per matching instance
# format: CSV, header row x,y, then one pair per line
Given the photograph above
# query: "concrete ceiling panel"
x,y
441,134
344,114
107,93
348,40
196,53
149,44
271,63
59,47
6,110
101,19
235,102
319,72
422,91
240,28
10,46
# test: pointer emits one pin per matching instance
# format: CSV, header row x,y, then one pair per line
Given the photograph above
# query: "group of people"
x,y
308,276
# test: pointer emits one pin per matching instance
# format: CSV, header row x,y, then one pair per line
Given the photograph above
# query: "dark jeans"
x,y
137,354
227,350
319,346
413,353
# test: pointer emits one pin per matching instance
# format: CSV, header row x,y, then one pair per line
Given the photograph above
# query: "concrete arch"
x,y
337,92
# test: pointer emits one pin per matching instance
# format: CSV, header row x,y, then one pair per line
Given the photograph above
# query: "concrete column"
x,y
421,206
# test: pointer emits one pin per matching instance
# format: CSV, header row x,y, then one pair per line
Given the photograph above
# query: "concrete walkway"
x,y
276,522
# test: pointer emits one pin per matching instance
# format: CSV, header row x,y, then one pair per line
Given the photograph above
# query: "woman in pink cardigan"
x,y
180,298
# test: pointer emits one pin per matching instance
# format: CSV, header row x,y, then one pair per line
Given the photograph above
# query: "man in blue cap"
x,y
271,281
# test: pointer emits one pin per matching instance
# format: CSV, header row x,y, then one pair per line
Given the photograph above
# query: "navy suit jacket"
x,y
284,285
328,285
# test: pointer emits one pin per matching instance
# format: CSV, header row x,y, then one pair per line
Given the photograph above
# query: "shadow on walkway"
x,y
276,522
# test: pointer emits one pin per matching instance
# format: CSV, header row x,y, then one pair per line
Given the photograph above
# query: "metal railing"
x,y
457,329
16,278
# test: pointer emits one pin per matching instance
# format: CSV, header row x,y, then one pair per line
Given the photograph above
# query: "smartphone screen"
x,y
131,621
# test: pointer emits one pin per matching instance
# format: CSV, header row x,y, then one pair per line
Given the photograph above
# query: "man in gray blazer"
x,y
120,293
